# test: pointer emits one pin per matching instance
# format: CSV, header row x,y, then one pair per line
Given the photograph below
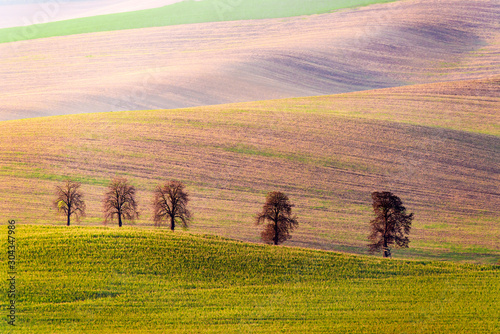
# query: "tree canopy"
x,y
69,200
170,202
278,212
391,225
119,201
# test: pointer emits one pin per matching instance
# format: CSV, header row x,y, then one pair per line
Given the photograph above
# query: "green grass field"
x,y
129,280
184,12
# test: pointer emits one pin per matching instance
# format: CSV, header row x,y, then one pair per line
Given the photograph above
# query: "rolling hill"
x,y
436,146
377,46
103,280
179,12
400,96
20,13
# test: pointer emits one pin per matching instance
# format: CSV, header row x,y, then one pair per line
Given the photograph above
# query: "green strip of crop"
x,y
185,12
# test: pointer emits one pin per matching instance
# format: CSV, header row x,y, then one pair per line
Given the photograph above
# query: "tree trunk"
x,y
276,236
119,219
69,215
387,251
172,223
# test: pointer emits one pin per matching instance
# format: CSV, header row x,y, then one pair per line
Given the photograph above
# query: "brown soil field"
x,y
436,146
378,46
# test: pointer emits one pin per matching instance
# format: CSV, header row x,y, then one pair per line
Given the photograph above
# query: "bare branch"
x,y
278,211
119,201
69,200
170,203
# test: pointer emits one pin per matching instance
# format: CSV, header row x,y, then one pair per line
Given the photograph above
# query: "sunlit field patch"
x,y
95,280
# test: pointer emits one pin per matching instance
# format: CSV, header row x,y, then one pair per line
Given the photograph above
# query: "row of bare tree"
x,y
169,202
391,225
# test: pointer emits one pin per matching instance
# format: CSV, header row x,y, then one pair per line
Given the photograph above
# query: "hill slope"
x,y
105,280
377,46
16,13
182,12
436,146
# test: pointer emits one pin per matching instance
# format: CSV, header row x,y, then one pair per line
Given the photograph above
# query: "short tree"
x,y
119,201
170,202
69,200
278,212
391,224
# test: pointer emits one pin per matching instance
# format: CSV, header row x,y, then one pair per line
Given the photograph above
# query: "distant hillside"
x,y
15,13
436,146
378,46
183,12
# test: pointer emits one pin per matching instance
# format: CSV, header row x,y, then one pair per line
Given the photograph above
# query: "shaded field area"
x,y
377,46
105,280
435,146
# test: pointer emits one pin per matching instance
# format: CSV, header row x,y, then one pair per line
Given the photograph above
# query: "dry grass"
x,y
386,45
327,153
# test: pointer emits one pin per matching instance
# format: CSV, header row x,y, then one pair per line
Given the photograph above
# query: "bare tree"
x,y
391,224
170,201
278,212
69,200
119,201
